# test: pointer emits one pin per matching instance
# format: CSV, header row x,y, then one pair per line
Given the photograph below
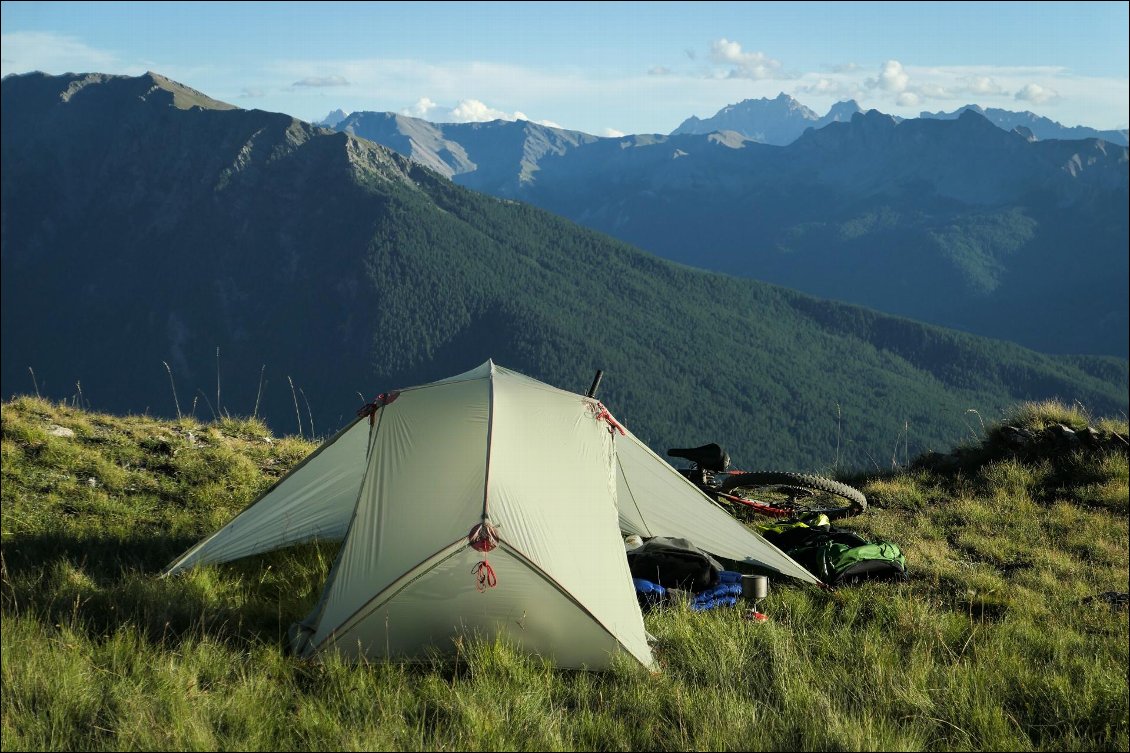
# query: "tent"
x,y
488,503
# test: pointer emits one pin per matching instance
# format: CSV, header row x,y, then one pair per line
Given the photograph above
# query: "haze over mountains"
x,y
954,221
781,121
145,223
1040,127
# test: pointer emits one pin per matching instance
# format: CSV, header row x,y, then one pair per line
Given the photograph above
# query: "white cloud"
x,y
659,70
752,65
474,111
251,92
892,78
611,133
819,86
466,111
519,115
1036,94
981,85
987,86
25,51
836,88
933,91
321,81
421,109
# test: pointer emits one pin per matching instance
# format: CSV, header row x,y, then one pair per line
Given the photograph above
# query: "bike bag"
x,y
838,556
674,563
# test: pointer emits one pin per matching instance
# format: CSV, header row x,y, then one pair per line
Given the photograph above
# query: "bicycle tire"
x,y
850,502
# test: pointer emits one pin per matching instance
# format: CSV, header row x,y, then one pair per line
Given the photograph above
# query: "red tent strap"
x,y
603,414
484,576
381,400
483,537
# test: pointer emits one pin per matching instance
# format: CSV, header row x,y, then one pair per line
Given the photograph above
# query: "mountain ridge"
x,y
778,121
981,219
301,268
1040,127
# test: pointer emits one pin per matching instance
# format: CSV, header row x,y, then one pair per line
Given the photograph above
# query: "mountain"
x,y
841,112
777,121
782,120
163,252
333,118
1040,127
498,157
955,222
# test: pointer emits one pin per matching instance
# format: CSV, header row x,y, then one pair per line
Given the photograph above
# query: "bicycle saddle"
x,y
709,457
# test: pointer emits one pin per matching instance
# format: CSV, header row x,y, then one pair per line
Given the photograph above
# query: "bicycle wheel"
x,y
796,494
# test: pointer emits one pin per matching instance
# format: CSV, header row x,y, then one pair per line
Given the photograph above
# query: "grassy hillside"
x,y
995,642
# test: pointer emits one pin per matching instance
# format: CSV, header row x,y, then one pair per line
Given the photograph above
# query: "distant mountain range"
x,y
1040,127
777,121
956,222
498,157
782,120
278,266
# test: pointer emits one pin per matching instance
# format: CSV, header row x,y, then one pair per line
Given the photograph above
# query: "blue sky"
x,y
604,68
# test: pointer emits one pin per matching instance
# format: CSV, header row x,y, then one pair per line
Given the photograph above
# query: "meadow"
x,y
1008,635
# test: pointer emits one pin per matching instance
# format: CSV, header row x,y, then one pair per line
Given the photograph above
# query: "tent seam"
x,y
490,436
635,504
376,602
323,597
568,594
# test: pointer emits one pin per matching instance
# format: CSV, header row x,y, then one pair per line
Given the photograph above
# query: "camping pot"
x,y
755,587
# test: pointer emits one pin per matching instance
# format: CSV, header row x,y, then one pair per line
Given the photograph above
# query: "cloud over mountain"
x,y
321,81
754,65
1036,94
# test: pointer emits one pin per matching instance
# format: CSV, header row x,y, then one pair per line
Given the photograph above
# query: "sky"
x,y
605,68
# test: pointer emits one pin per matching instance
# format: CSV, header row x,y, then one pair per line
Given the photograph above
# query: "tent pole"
x,y
595,384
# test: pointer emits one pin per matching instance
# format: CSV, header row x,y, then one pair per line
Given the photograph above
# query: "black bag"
x,y
674,563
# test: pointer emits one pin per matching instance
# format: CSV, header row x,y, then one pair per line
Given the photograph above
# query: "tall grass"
x,y
990,645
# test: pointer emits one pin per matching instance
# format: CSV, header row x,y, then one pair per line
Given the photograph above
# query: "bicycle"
x,y
778,494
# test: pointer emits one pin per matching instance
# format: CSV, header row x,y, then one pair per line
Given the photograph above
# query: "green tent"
x,y
485,504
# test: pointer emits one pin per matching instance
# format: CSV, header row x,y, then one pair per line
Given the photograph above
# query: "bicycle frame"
x,y
804,495
757,506
705,481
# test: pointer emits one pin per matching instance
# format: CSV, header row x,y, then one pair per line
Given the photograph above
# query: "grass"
x,y
989,646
